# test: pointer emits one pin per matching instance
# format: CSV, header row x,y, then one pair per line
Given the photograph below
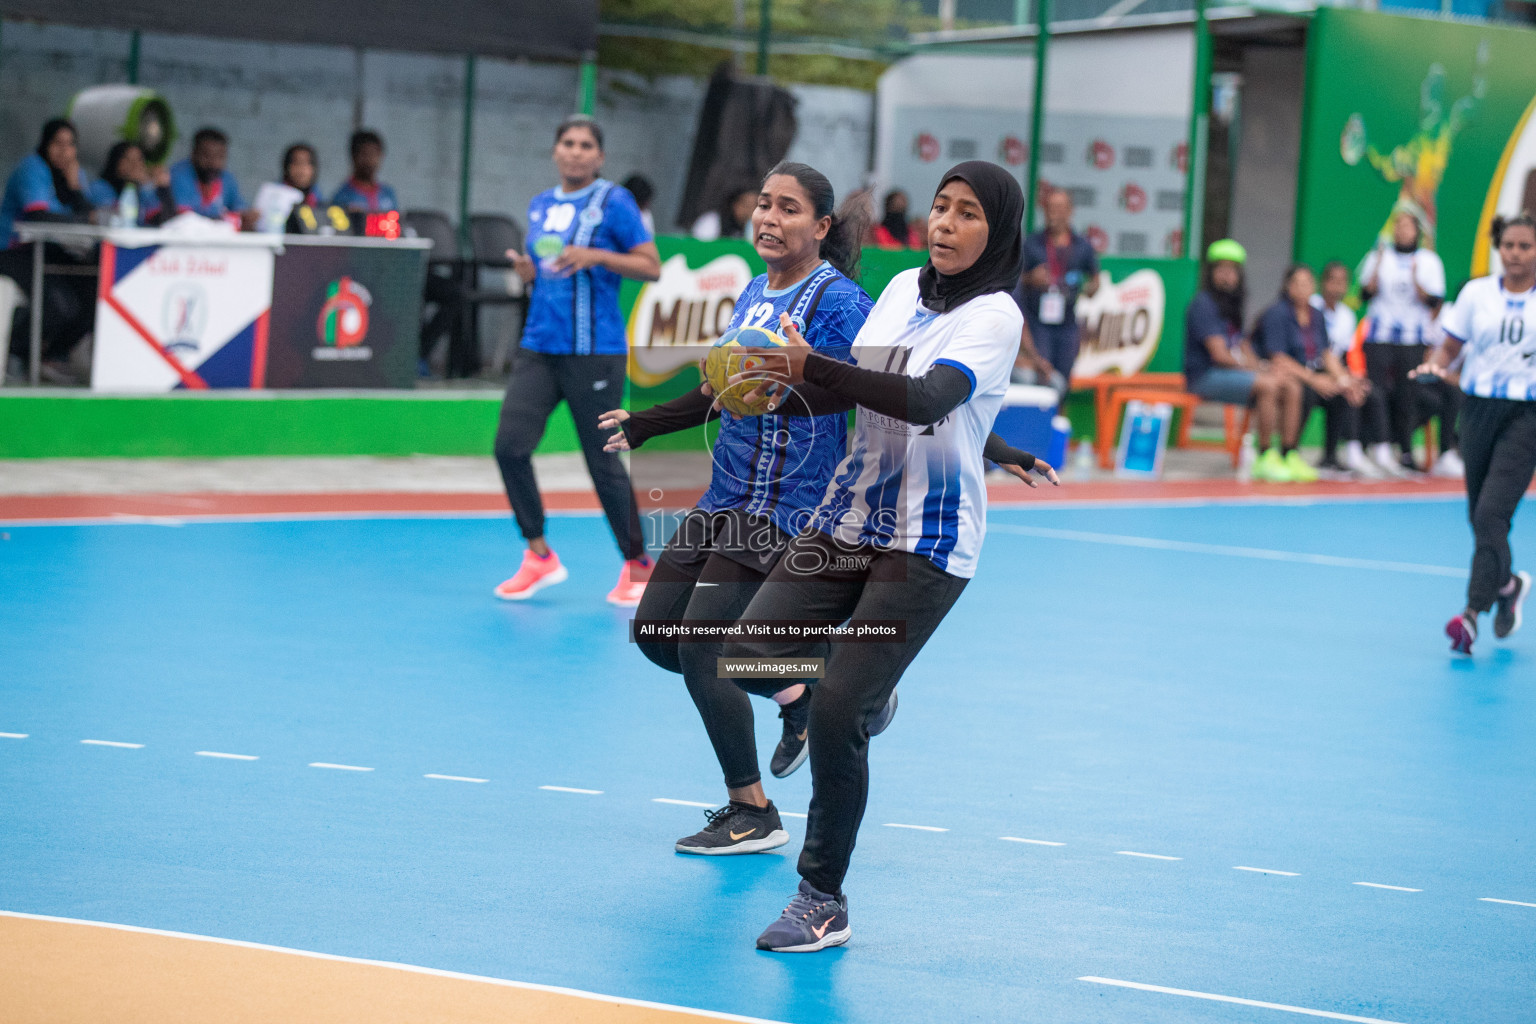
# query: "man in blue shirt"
x,y
201,183
363,192
1058,265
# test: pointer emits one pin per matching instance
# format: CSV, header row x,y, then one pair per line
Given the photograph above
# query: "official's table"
x,y
247,310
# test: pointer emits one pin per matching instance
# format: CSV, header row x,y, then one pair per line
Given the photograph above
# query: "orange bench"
x,y
1111,393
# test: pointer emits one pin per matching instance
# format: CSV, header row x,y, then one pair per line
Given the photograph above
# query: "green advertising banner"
x,y
1134,323
1428,116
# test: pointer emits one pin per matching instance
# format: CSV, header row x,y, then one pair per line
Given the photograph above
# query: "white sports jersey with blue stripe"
x,y
1497,330
923,489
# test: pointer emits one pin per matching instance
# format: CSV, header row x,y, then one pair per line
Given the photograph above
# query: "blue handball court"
x,y
1180,761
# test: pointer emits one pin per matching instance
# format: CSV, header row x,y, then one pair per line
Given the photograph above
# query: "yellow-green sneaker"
x,y
1301,472
1271,468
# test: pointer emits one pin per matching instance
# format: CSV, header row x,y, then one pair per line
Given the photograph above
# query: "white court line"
x,y
788,814
13,735
412,968
231,757
679,803
1235,999
920,828
1394,888
1513,903
1032,842
453,778
1268,871
1149,856
1262,554
113,743
339,767
573,789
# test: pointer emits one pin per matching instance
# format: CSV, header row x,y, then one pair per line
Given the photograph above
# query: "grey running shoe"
x,y
812,921
792,749
737,828
1506,617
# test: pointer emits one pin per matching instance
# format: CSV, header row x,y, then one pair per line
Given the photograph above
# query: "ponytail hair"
x,y
1501,224
841,247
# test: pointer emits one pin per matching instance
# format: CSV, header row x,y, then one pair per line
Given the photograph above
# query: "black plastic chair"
x,y
490,236
445,287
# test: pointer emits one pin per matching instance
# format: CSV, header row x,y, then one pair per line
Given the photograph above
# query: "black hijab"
x,y
1001,262
68,195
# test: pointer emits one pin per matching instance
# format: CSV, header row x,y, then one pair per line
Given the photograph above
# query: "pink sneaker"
x,y
626,593
1462,631
535,574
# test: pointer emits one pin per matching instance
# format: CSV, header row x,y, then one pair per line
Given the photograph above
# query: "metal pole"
x,y
466,149
1037,115
764,30
1021,12
589,83
35,320
1199,124
133,57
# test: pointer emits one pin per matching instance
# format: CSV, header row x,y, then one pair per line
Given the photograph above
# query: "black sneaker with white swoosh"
x,y
737,828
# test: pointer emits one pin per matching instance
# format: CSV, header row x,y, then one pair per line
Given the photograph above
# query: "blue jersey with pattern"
x,y
778,466
578,314
30,189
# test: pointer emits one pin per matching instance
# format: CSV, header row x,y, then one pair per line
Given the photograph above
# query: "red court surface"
x,y
22,508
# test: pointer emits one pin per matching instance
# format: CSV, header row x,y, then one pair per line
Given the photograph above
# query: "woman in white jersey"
x,y
897,535
1405,286
1493,322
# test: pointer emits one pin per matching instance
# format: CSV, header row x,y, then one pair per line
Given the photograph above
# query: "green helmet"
x,y
1226,249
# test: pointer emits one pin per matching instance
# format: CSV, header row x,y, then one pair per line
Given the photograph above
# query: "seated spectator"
x,y
301,170
49,185
1219,364
1404,284
641,188
1292,336
1340,323
363,192
201,184
148,203
893,231
732,220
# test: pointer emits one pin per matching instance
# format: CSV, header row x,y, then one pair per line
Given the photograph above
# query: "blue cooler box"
x,y
1025,421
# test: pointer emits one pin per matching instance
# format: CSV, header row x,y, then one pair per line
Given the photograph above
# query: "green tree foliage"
x,y
872,24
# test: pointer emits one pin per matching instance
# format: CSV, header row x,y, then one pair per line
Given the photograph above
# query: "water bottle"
x,y
1082,462
1247,456
128,207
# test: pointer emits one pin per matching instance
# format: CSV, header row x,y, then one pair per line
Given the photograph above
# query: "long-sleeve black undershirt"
x,y
943,387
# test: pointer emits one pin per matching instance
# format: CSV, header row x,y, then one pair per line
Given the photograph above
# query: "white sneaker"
x,y
1384,460
1449,465
1353,459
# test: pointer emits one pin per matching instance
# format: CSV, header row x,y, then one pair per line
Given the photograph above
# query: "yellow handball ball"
x,y
724,362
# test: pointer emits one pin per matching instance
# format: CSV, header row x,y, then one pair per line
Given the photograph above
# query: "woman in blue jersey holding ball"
x,y
584,237
769,471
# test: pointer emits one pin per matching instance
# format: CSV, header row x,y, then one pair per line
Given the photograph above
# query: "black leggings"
x,y
69,301
821,582
1498,446
590,385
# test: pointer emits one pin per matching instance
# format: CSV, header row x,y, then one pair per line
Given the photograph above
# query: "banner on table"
x,y
170,317
346,316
